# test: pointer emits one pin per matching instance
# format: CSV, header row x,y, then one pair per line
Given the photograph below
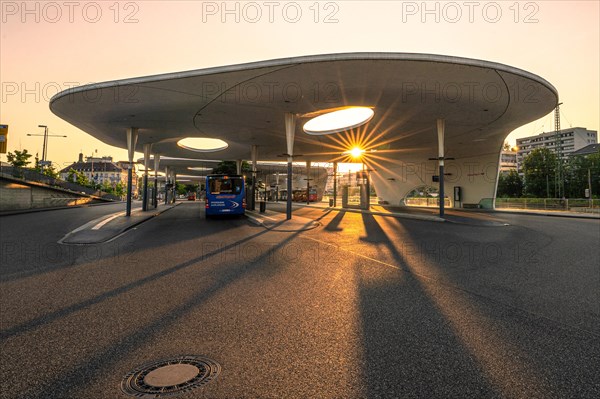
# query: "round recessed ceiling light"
x,y
338,121
202,144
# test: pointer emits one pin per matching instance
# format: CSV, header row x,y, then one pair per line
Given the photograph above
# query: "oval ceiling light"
x,y
338,121
199,168
202,144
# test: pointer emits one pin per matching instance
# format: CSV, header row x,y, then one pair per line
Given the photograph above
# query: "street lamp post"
x,y
590,187
45,145
308,190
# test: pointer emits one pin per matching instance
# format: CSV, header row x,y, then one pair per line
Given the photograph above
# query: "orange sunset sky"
x,y
51,46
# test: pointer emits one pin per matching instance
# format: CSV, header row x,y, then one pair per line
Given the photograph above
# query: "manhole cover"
x,y
169,377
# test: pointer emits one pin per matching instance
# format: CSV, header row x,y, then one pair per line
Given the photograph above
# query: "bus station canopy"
x,y
244,105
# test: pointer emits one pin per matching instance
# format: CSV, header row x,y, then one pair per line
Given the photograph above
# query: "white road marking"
x,y
102,223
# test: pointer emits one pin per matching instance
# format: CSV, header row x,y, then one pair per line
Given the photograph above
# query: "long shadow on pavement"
x,y
448,338
410,349
53,316
64,384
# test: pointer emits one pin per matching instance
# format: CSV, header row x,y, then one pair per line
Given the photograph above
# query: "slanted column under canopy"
x,y
132,135
147,149
174,186
308,179
441,125
167,181
254,156
156,166
335,169
290,129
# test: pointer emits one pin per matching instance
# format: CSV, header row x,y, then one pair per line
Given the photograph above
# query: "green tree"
x,y
107,187
510,185
19,159
181,189
539,170
51,171
576,175
78,177
72,175
120,189
230,168
191,188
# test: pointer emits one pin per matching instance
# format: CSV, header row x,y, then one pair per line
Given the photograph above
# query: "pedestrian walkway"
x,y
450,215
569,214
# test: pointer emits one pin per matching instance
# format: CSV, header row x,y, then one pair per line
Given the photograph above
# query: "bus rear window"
x,y
225,186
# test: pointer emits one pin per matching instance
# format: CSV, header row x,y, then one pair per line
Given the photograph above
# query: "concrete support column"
x,y
238,166
368,188
335,168
308,179
147,148
441,125
132,135
156,166
276,186
174,187
167,179
290,129
253,156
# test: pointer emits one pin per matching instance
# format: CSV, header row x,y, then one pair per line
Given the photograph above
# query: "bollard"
x,y
263,206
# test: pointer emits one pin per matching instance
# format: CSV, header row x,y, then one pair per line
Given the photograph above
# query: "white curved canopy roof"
x,y
244,105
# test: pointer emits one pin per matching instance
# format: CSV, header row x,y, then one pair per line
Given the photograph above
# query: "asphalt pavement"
x,y
358,306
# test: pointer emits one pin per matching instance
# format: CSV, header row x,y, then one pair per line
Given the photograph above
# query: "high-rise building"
x,y
508,161
569,140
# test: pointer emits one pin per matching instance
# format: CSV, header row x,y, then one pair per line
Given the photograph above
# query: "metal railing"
x,y
426,202
550,204
30,175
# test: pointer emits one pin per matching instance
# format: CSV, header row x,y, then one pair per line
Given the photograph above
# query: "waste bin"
x,y
330,201
263,206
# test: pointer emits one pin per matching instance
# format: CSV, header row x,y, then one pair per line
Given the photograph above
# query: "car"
x,y
191,197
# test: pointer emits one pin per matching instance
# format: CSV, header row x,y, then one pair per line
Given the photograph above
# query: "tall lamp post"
x,y
45,145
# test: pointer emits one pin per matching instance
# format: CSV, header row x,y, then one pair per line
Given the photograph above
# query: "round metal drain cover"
x,y
169,377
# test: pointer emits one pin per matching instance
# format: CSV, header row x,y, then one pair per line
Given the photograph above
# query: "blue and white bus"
x,y
225,195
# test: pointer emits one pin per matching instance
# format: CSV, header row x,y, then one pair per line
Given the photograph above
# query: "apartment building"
x,y
508,161
568,141
99,170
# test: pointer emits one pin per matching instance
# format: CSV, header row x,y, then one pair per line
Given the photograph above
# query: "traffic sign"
x,y
3,138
